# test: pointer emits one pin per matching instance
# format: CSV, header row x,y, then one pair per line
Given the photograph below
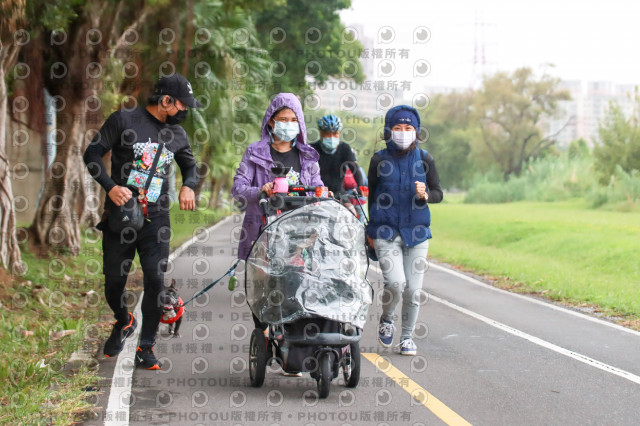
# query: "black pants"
x,y
152,244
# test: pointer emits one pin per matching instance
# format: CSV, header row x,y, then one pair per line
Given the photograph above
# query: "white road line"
x,y
533,300
117,412
571,354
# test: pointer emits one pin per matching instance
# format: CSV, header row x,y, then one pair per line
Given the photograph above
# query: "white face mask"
x,y
286,131
403,139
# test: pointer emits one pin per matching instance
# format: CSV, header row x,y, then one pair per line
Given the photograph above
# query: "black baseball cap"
x,y
178,87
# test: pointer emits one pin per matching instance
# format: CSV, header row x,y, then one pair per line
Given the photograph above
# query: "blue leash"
x,y
231,272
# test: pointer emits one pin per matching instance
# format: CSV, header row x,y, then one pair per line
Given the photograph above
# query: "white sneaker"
x,y
407,347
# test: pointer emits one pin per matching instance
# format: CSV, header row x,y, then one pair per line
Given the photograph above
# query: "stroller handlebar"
x,y
303,188
282,201
263,203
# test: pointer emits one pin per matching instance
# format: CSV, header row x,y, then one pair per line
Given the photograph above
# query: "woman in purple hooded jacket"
x,y
283,143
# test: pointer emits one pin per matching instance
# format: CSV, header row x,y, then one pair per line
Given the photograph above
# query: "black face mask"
x,y
178,118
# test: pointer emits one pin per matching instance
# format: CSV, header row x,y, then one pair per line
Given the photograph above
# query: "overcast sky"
x,y
588,40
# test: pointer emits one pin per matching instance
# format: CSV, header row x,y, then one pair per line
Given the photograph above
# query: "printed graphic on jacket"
x,y
144,153
293,178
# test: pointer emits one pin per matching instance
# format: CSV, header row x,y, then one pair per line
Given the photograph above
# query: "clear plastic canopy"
x,y
310,261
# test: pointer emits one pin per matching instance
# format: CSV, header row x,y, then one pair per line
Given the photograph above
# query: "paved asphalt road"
x,y
484,357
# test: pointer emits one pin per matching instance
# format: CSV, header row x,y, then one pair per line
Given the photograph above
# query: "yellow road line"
x,y
418,393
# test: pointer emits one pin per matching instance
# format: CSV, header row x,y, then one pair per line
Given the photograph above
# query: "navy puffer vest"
x,y
395,207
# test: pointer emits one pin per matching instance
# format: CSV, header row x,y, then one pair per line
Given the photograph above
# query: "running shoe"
x,y
385,333
119,333
146,359
407,347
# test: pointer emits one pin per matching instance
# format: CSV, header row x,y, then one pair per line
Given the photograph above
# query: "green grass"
x,y
51,296
561,249
61,293
185,224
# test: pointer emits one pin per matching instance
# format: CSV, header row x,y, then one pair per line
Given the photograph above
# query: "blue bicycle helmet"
x,y
330,123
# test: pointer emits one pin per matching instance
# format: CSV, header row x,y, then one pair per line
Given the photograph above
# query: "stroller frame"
x,y
328,350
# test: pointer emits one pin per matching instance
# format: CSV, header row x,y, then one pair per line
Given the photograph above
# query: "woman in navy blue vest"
x,y
403,181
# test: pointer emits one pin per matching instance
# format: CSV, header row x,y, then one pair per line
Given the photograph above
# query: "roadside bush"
x,y
545,179
623,187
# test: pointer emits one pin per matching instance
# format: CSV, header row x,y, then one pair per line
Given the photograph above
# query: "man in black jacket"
x,y
134,137
336,158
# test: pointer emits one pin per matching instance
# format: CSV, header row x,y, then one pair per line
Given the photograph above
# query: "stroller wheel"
x,y
257,357
325,364
351,366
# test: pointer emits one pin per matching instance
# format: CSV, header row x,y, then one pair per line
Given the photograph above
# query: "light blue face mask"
x,y
286,131
330,144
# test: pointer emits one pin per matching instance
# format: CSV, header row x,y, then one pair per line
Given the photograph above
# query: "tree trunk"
x,y
12,15
217,185
188,37
69,198
203,171
9,249
63,205
223,188
215,189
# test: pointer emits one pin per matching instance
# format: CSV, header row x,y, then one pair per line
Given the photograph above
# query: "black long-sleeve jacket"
x,y
333,166
133,138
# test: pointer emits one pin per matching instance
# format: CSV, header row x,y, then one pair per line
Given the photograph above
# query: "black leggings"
x,y
152,245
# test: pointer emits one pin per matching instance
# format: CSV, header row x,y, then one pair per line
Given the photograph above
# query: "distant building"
x,y
588,106
368,44
370,99
349,98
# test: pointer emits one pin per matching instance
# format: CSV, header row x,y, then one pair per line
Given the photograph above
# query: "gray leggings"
x,y
403,269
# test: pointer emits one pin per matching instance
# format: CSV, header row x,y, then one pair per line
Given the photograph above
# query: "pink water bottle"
x,y
280,185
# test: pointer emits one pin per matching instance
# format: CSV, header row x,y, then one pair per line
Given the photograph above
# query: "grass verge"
x,y
560,250
54,309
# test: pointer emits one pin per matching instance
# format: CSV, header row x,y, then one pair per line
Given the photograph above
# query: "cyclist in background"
x,y
338,164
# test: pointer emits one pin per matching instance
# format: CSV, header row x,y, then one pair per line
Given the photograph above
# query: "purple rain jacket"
x,y
255,170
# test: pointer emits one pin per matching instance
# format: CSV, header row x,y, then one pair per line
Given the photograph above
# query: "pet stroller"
x,y
306,278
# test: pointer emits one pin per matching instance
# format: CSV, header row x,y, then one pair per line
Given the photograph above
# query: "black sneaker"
x,y
146,359
119,333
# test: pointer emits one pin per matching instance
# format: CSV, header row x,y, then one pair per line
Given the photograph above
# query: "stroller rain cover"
x,y
309,262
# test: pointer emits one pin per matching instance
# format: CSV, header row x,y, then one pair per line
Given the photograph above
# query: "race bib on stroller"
x,y
144,153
